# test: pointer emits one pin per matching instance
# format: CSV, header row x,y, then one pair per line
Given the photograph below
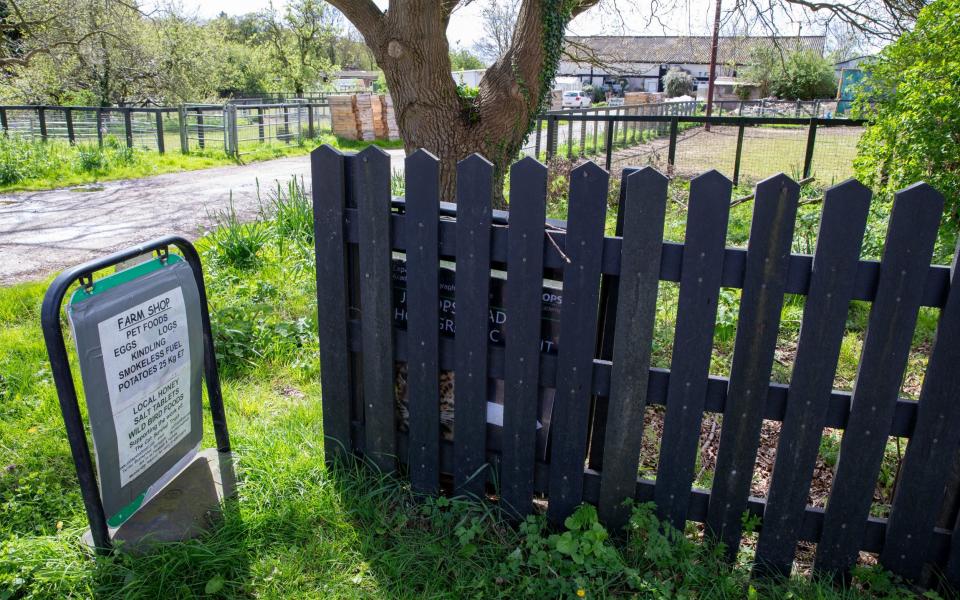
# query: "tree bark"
x,y
409,43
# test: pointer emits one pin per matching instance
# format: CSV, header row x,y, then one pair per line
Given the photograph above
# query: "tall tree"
x,y
410,44
498,18
300,41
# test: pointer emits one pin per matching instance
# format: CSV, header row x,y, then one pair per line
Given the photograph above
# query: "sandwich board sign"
x,y
143,347
140,353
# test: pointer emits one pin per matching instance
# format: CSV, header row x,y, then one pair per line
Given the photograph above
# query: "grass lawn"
x,y
298,529
33,165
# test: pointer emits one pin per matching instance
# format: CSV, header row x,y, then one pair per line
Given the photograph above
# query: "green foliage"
x,y
462,59
677,82
805,76
914,129
236,242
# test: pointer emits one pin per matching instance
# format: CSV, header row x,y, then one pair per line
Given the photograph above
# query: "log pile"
x,y
363,117
633,98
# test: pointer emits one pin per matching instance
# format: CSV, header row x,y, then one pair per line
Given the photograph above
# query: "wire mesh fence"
x,y
234,129
685,144
148,128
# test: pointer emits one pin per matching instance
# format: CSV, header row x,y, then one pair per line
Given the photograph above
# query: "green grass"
x,y
33,165
298,529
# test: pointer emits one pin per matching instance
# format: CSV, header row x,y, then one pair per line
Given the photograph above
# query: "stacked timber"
x,y
633,98
365,117
343,115
393,132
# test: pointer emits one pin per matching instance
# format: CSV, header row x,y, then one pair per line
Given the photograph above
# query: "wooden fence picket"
x,y
328,165
474,197
578,332
601,369
373,203
701,270
911,235
842,225
764,281
422,172
931,450
528,180
643,212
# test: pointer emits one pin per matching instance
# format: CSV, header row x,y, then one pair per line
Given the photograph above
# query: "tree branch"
x,y
364,15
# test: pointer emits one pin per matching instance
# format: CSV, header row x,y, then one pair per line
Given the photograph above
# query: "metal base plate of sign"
x,y
144,346
186,507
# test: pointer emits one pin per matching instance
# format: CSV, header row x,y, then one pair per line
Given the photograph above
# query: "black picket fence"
x,y
597,362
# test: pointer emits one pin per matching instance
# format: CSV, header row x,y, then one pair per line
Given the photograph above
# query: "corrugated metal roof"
x,y
679,49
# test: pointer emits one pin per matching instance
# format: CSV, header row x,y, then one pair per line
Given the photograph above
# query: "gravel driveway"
x,y
43,232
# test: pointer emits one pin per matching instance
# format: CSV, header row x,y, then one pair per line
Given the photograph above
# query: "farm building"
x,y
642,61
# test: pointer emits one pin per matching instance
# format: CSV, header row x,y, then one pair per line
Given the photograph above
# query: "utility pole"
x,y
713,63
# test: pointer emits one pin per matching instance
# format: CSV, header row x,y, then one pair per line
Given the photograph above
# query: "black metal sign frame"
x,y
63,378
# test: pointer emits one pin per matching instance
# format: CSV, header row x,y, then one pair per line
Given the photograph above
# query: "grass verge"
x,y
27,165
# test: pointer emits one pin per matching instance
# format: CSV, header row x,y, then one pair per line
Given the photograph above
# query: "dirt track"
x,y
43,232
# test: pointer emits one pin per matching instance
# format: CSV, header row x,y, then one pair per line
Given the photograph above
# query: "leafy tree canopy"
x,y
799,75
911,93
677,82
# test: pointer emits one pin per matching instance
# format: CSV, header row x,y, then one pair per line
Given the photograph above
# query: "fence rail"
x,y
662,135
377,259
232,127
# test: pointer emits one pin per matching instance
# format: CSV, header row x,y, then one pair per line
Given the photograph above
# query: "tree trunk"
x,y
410,45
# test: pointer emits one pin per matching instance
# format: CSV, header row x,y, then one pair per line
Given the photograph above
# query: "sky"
x,y
614,17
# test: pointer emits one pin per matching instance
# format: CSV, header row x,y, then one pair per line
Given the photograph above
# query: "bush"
x,y
805,75
677,83
912,96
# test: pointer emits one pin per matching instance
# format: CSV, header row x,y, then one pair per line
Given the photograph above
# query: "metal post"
x,y
286,124
736,160
798,108
536,142
740,109
161,148
551,136
310,120
68,116
583,133
811,141
184,136
570,137
128,127
42,118
3,121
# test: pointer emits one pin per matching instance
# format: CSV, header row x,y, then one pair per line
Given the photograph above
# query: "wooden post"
x,y
160,145
811,141
128,127
200,136
100,126
184,134
736,160
42,118
3,121
68,116
261,127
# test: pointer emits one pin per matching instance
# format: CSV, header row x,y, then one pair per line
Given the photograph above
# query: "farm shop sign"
x,y
498,322
140,349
